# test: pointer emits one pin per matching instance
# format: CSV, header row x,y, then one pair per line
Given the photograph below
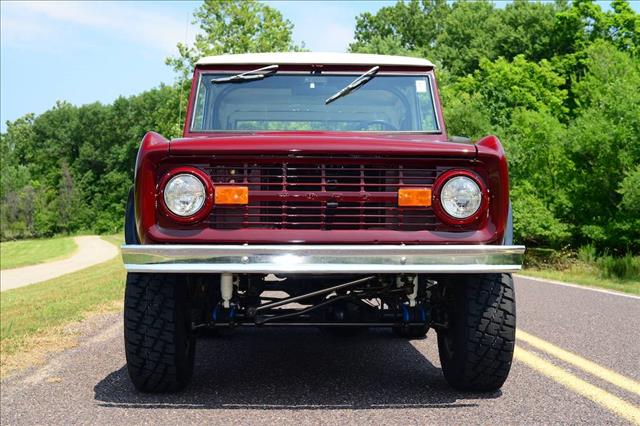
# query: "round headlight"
x,y
461,197
184,195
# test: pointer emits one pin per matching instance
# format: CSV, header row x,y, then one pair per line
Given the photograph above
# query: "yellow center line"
x,y
611,402
584,364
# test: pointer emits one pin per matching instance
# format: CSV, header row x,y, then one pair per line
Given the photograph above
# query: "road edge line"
x,y
578,286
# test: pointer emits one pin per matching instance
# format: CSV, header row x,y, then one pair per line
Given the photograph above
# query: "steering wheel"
x,y
385,125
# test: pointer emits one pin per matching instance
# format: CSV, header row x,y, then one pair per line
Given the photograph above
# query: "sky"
x,y
83,52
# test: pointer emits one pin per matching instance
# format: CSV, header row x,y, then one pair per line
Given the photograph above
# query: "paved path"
x,y
301,376
91,251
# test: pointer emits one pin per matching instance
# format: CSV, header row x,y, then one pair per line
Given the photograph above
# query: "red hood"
x,y
317,143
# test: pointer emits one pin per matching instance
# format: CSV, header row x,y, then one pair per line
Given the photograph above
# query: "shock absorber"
x,y
226,289
401,281
414,294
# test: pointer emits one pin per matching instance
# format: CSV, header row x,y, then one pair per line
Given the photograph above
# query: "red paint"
x,y
157,234
322,143
158,158
154,148
491,153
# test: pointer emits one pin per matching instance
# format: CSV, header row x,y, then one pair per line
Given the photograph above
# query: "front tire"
x,y
476,349
159,345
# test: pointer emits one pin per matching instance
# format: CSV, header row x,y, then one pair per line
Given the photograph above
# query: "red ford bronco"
x,y
319,190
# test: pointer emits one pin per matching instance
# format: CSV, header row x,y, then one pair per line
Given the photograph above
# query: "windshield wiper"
x,y
358,82
258,74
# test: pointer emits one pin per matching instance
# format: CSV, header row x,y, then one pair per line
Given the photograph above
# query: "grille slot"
x,y
351,196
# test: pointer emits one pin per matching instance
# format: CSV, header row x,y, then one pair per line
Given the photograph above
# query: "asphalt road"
x,y
297,376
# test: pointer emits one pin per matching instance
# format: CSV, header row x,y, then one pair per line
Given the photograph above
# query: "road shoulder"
x,y
92,250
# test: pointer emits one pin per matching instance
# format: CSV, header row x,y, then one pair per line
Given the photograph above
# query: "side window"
x,y
425,104
198,111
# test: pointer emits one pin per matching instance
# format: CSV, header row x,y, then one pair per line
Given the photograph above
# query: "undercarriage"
x,y
407,303
473,315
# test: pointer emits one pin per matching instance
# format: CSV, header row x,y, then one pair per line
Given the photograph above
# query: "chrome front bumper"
x,y
322,259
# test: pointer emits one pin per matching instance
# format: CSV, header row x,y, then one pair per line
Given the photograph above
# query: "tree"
x,y
604,140
557,82
234,26
68,199
411,26
630,191
506,86
533,222
469,35
527,30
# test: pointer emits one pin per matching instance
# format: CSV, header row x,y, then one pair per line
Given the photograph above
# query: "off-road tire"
x,y
158,343
476,349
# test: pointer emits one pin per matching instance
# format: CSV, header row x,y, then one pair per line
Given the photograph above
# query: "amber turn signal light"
x,y
414,197
231,195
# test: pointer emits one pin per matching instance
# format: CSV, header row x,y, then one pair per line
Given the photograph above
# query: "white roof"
x,y
313,58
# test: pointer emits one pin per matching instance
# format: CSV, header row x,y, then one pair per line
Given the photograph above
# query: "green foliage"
x,y
507,86
466,113
404,28
468,36
604,139
70,168
558,82
585,266
230,26
626,267
630,191
533,221
527,29
587,254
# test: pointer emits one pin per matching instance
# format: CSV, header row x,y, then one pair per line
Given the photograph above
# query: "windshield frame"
x,y
201,73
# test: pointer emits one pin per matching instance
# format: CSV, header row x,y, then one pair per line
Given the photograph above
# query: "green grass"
x,y
27,311
14,254
585,266
585,276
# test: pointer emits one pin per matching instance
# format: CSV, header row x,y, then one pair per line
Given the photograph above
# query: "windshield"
x,y
298,102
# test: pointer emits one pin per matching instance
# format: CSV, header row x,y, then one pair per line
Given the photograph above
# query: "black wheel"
x,y
476,349
158,343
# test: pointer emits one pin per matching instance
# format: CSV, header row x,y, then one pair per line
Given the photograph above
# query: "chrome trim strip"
x,y
195,104
431,76
314,259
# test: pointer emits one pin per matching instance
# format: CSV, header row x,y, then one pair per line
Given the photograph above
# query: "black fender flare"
x,y
507,239
130,230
